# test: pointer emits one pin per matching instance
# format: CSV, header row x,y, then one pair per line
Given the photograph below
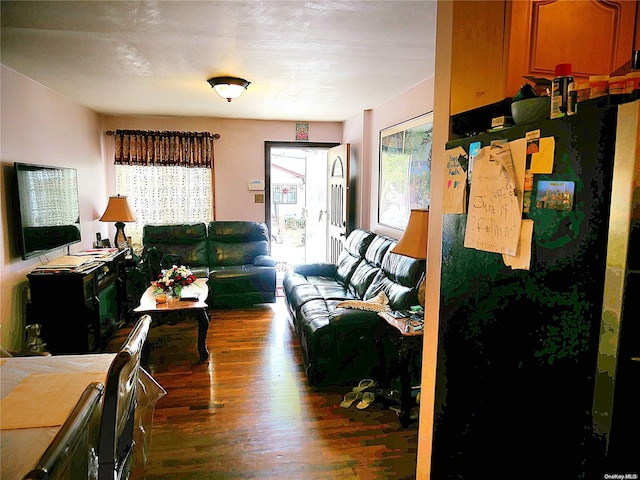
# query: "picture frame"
x,y
302,132
404,181
555,195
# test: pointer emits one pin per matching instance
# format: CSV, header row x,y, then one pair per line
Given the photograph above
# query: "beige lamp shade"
x,y
413,242
118,211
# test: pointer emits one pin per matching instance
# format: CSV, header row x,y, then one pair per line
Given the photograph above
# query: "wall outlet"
x,y
258,198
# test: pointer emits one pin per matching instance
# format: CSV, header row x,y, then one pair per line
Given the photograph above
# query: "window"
x,y
165,194
166,175
285,194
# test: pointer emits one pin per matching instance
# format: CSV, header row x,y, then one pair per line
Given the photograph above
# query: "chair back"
x,y
117,422
234,242
72,453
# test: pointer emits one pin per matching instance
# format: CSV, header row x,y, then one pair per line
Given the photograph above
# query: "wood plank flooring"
x,y
249,412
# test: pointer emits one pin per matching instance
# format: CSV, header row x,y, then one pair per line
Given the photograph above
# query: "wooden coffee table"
x,y
174,305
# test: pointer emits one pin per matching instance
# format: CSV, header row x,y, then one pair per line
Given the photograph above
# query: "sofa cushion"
x,y
397,278
240,278
369,267
236,243
184,244
303,289
354,249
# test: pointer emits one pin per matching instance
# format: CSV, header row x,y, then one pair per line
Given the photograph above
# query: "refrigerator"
x,y
537,371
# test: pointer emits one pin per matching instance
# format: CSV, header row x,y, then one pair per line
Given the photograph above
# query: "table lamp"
x,y
413,242
118,211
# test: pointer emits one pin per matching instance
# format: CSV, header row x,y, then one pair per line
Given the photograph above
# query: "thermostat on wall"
x,y
256,184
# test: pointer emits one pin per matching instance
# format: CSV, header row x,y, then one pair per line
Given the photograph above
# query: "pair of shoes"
x,y
349,398
367,399
364,385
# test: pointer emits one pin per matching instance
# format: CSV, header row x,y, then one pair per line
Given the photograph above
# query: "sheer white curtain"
x,y
165,194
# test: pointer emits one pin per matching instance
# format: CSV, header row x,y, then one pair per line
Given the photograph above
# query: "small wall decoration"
x,y
405,170
555,195
302,131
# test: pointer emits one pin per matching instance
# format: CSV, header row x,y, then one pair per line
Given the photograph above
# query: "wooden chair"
x,y
117,423
71,454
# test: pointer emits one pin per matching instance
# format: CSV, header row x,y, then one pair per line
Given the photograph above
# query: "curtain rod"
x,y
214,135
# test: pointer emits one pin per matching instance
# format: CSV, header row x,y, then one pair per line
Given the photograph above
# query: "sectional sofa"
x,y
338,343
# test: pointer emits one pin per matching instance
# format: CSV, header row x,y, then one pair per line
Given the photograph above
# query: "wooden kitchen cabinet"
x,y
495,43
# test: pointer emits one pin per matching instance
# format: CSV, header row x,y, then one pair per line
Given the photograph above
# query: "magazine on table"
x,y
190,293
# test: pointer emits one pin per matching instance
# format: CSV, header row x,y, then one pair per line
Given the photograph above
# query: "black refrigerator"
x,y
537,369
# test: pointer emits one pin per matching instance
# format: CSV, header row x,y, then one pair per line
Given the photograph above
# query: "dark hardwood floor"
x,y
249,412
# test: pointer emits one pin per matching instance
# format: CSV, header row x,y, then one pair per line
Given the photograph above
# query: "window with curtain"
x,y
166,176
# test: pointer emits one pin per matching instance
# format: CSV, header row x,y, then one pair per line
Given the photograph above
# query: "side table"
x,y
409,345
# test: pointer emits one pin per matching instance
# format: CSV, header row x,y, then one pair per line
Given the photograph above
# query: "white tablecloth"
x,y
20,448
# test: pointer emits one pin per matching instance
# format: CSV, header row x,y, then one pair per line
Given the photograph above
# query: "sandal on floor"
x,y
365,384
349,398
367,399
413,415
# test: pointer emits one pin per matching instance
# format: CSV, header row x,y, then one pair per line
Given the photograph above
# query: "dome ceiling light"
x,y
229,87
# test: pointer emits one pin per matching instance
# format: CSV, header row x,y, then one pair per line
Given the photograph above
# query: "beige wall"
x,y
363,133
40,126
413,103
238,153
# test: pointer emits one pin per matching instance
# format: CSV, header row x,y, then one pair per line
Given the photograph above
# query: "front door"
x,y
338,200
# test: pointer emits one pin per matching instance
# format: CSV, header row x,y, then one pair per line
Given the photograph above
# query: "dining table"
x,y
37,394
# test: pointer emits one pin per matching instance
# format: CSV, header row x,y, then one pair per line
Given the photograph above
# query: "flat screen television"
x,y
48,209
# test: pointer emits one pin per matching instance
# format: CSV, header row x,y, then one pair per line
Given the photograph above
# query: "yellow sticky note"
x,y
542,161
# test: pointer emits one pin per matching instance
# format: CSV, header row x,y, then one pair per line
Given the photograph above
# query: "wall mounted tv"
x,y
48,209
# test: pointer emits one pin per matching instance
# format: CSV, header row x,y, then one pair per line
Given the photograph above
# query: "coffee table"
x,y
174,305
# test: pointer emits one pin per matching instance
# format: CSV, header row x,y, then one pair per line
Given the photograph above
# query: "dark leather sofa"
x,y
339,344
232,255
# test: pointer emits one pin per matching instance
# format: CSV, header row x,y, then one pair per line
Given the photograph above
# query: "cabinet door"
x,y
478,55
596,37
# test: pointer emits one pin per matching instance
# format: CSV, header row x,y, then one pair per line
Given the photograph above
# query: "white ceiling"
x,y
322,60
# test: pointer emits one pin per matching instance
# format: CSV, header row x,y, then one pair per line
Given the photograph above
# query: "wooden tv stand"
x,y
79,311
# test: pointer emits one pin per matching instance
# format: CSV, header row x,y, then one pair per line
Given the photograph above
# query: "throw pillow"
x,y
379,303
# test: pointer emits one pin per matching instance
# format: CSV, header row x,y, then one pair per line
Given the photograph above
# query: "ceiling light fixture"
x,y
229,87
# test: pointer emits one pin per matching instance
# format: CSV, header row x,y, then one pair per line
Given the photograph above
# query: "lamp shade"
x,y
229,87
118,210
413,242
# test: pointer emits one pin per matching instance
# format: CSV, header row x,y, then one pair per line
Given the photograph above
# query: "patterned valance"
x,y
142,147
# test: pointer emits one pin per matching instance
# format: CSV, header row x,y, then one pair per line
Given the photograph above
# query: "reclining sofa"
x,y
232,255
339,344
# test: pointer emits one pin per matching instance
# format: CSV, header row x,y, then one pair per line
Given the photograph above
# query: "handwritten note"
x,y
495,203
522,259
455,188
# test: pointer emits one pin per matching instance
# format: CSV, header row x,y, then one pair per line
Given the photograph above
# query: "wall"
x,y
238,153
41,126
363,132
354,133
413,103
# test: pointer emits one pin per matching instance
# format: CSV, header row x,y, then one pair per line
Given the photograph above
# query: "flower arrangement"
x,y
175,278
